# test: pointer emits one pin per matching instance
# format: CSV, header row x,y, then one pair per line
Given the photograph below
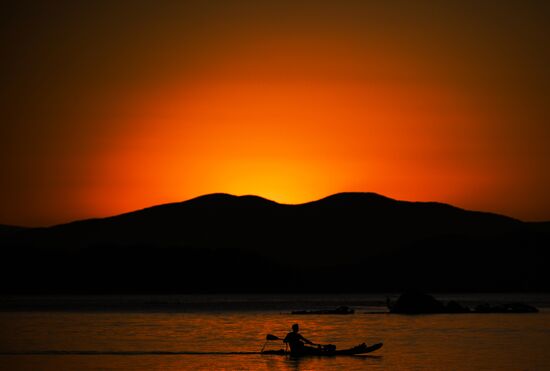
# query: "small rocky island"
x,y
413,302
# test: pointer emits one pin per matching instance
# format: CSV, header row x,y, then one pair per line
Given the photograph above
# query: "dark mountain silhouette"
x,y
6,230
225,243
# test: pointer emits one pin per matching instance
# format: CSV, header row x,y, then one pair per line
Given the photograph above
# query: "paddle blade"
x,y
272,337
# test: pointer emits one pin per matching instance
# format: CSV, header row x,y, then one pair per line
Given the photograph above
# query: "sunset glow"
x,y
292,142
291,106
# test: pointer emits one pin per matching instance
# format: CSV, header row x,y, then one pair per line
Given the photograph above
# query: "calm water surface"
x,y
142,339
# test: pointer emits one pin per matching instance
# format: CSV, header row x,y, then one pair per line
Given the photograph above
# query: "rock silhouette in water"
x,y
413,302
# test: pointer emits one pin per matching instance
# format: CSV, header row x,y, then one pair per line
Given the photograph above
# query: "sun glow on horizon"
x,y
291,142
291,101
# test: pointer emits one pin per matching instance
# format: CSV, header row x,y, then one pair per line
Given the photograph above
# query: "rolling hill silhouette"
x,y
6,230
224,243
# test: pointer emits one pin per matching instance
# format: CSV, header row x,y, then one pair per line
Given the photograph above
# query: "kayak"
x,y
328,351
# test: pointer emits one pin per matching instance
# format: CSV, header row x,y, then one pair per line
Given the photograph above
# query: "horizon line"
x,y
268,200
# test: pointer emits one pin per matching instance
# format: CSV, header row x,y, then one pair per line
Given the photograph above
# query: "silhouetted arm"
x,y
306,340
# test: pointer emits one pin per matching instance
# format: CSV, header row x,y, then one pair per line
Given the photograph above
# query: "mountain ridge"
x,y
342,236
338,197
219,196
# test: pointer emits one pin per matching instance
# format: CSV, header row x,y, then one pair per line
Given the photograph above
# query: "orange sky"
x,y
106,110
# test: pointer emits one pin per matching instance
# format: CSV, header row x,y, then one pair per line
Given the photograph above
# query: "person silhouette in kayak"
x,y
297,342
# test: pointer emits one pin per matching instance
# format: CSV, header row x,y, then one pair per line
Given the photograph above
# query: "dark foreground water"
x,y
226,332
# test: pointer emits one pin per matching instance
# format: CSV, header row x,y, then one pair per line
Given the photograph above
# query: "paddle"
x,y
270,337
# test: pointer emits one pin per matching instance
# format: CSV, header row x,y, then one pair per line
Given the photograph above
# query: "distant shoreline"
x,y
282,303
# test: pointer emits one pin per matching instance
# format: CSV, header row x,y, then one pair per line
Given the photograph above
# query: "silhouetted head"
x,y
295,327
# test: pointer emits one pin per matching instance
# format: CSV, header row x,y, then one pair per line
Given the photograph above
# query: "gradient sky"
x,y
108,107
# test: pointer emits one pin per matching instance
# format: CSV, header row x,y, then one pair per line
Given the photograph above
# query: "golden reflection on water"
x,y
444,342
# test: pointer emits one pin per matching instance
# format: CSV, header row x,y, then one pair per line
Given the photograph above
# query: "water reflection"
x,y
334,363
442,341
